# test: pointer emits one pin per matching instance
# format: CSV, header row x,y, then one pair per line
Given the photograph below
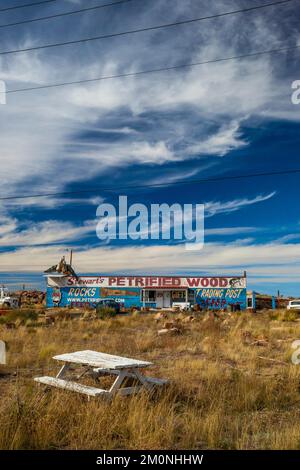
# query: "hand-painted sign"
x,y
161,282
81,296
208,292
221,298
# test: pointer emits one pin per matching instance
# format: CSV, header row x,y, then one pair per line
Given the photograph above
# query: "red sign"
x,y
150,282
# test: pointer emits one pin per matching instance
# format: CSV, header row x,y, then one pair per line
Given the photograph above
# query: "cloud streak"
x,y
186,115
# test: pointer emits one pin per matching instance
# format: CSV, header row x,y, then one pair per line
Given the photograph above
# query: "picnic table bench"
x,y
97,364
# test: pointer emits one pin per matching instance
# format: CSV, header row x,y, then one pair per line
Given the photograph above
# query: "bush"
x,y
283,315
22,315
290,315
103,312
47,352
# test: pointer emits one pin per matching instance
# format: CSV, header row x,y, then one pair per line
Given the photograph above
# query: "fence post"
x,y
2,352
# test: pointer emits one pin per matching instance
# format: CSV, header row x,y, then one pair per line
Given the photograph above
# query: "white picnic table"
x,y
98,364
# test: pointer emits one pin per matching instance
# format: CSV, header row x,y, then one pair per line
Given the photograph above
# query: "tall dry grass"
x,y
224,393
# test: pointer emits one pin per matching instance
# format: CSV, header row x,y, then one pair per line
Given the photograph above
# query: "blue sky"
x,y
214,120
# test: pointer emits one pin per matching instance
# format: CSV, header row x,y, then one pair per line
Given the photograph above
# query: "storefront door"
x,y
167,299
163,299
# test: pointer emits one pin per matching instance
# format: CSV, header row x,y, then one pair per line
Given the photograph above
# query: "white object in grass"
x,y
2,353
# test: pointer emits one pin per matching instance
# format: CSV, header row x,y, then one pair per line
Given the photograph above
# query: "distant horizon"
x,y
223,135
35,281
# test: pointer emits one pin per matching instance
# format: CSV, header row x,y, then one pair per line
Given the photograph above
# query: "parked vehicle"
x,y
183,306
6,300
293,305
111,303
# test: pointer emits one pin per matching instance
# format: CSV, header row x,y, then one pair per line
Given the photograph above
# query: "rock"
x,y
168,325
160,316
175,331
31,298
163,332
171,331
247,337
188,319
208,319
260,343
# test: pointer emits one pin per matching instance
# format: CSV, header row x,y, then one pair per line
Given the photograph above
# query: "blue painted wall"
x,y
90,296
221,298
130,297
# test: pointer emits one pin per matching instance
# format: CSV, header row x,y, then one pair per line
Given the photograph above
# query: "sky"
x,y
203,122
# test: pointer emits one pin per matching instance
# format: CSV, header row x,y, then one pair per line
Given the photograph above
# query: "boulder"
x,y
160,316
188,319
171,331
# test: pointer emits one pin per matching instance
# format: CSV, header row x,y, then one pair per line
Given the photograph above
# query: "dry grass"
x,y
222,395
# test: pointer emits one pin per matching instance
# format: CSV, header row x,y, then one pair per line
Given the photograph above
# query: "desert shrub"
x,y
289,315
273,314
103,312
133,309
47,352
135,313
21,315
283,315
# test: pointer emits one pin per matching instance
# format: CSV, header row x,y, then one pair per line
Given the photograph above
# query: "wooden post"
x,y
144,300
2,352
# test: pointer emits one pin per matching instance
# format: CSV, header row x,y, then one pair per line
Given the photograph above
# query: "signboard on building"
x,y
221,298
149,282
219,292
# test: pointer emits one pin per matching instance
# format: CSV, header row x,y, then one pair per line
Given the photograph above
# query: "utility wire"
x,y
149,71
60,15
156,185
141,30
26,5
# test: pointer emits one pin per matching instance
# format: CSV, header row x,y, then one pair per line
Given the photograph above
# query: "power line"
x,y
149,71
155,185
59,15
141,30
26,5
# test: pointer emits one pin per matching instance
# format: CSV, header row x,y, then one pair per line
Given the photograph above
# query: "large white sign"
x,y
161,282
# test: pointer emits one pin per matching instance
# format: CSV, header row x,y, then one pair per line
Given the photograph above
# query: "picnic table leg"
x,y
118,382
88,370
142,379
63,371
122,374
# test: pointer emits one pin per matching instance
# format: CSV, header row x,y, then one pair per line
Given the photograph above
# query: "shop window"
x,y
191,296
178,295
148,296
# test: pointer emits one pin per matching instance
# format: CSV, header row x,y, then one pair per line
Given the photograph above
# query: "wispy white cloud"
x,y
223,231
186,114
42,233
14,232
228,138
214,208
269,261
